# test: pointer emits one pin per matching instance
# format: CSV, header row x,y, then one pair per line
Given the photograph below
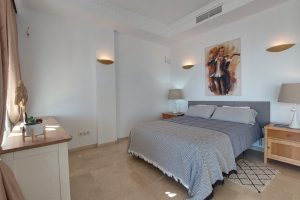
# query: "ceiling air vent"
x,y
209,14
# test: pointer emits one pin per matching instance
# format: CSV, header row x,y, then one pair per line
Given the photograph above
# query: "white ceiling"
x,y
164,11
161,21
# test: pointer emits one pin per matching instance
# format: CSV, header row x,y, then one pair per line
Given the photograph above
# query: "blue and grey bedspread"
x,y
242,136
192,154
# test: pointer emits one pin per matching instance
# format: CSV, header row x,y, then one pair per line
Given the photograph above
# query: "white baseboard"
x,y
91,146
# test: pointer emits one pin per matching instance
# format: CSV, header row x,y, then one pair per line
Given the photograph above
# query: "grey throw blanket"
x,y
242,136
195,157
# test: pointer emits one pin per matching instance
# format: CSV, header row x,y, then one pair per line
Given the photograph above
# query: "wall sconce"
x,y
105,61
279,48
187,66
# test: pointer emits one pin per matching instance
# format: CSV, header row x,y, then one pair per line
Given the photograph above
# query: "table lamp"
x,y
175,94
290,93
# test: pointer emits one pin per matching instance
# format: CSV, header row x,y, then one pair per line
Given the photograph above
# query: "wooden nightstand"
x,y
168,115
282,144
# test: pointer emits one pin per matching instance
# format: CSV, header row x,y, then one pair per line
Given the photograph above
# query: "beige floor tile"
x,y
139,195
109,173
166,186
222,193
81,186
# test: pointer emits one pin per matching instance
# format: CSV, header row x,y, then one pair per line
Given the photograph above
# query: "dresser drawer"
x,y
284,135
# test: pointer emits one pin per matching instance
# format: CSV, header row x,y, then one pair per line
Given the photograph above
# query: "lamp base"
x,y
294,124
174,107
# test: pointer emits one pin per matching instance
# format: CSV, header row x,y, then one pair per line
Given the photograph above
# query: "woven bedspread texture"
x,y
195,157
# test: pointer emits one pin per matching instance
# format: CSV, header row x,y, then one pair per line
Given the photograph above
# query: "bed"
x,y
197,152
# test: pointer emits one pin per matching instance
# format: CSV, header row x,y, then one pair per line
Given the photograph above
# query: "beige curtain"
x,y
9,71
9,189
14,74
3,64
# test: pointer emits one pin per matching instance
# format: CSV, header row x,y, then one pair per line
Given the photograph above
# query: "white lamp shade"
x,y
175,94
290,93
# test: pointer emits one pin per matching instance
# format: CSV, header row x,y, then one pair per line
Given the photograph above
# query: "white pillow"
x,y
204,111
235,114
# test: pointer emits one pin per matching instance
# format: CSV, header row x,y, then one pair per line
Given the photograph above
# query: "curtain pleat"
x,y
3,64
14,74
9,188
9,72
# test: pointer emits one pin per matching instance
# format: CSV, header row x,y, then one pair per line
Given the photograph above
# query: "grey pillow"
x,y
246,107
204,111
235,114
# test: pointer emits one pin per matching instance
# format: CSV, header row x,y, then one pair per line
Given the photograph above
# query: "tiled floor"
x,y
109,173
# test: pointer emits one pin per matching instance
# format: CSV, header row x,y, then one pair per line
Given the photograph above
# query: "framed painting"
x,y
223,69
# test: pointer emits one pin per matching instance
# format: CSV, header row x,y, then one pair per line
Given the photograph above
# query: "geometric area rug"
x,y
254,176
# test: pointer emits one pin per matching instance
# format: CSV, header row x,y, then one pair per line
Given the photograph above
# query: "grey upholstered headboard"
x,y
261,107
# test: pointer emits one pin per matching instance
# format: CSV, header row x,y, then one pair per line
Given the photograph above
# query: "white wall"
x,y
58,64
63,78
262,72
59,68
143,79
106,95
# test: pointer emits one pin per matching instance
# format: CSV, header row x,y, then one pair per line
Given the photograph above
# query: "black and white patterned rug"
x,y
254,176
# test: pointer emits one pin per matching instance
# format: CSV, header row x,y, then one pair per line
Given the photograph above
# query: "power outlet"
x,y
84,133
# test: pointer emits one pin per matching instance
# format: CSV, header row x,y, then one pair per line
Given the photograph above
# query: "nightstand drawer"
x,y
284,151
283,144
284,135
